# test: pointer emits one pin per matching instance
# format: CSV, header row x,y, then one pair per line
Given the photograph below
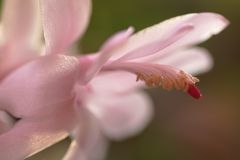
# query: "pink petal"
x,y
20,32
39,87
64,22
205,26
158,45
12,57
153,39
113,43
28,137
116,40
88,141
122,116
21,23
192,60
6,121
31,135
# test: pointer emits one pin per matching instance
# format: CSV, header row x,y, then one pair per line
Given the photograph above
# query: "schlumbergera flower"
x,y
48,94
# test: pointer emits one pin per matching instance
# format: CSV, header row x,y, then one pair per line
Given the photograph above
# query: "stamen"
x,y
157,75
168,80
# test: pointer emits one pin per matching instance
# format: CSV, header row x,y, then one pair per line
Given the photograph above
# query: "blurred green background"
x,y
183,128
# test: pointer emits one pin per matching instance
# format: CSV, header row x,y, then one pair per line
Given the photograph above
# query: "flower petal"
x,y
97,60
28,137
116,40
122,116
12,57
168,36
39,86
159,44
63,22
192,60
21,23
6,121
205,26
88,141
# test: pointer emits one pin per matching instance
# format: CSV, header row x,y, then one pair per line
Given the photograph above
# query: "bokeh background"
x,y
183,128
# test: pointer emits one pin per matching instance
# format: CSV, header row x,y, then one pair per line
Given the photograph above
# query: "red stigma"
x,y
194,91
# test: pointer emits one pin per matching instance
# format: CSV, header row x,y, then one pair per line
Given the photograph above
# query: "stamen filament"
x,y
157,75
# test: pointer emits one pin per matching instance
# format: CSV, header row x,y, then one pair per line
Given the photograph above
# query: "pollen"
x,y
168,80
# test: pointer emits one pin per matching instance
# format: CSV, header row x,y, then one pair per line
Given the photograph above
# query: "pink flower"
x,y
46,95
